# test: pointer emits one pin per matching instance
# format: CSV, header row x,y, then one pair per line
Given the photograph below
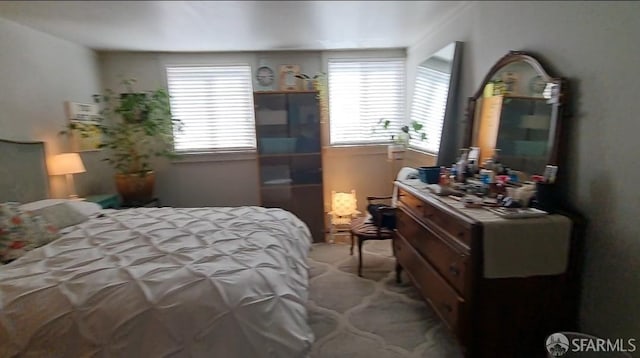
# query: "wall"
x,y
594,45
230,179
38,73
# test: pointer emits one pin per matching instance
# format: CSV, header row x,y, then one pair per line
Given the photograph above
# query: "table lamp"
x,y
67,164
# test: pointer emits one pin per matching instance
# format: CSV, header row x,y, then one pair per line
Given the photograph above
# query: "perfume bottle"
x,y
462,165
498,168
444,176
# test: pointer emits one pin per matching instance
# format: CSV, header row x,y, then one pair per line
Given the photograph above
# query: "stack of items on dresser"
x,y
493,184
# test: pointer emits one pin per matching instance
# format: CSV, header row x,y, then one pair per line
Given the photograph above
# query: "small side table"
x,y
152,203
106,201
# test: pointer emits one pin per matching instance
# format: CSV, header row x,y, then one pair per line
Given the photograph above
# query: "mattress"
x,y
160,282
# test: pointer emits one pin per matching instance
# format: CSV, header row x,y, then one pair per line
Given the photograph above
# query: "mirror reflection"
x,y
436,79
515,115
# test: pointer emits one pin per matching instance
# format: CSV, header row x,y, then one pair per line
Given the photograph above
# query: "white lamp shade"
x,y
66,163
344,204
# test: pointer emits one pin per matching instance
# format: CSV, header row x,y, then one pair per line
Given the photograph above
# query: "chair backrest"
x,y
344,204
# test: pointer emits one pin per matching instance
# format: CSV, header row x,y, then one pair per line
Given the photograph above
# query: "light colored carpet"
x,y
370,316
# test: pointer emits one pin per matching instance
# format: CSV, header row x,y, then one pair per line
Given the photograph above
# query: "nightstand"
x,y
107,201
151,203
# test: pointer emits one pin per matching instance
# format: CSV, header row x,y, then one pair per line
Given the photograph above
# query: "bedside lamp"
x,y
343,209
67,164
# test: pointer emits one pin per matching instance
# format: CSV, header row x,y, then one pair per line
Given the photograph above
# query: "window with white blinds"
x,y
428,107
215,105
361,92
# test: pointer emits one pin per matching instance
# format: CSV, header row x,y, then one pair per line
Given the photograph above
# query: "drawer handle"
x,y
454,270
460,233
447,307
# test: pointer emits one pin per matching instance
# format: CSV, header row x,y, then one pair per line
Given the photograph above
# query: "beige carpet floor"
x,y
370,316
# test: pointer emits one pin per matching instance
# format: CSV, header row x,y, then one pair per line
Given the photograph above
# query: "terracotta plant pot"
x,y
135,188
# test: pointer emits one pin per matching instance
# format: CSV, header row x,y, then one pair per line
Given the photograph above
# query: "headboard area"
x,y
23,171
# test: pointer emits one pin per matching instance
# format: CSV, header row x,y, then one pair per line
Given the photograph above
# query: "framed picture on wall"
x,y
85,133
287,79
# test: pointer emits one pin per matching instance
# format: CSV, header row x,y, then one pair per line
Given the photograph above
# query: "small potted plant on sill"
x,y
400,141
136,127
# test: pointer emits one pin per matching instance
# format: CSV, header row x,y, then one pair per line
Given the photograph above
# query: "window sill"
x,y
423,152
355,149
214,157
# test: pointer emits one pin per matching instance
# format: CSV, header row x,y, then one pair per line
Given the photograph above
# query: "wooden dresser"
x,y
441,249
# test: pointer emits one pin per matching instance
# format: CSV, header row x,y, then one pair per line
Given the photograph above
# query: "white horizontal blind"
x,y
428,107
215,105
361,92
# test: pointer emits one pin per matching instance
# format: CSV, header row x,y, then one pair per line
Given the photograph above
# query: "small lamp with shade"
x,y
67,164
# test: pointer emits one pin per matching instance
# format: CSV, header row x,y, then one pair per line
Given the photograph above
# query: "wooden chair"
x,y
372,229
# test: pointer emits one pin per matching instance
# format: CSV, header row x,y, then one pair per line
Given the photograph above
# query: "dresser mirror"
x,y
517,110
434,100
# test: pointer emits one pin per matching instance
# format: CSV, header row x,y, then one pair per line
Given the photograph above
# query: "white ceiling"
x,y
232,25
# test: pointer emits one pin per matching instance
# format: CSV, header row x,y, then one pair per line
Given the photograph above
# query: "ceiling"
x,y
232,25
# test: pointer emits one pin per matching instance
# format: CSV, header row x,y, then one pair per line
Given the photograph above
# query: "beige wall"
x,y
232,179
594,45
38,73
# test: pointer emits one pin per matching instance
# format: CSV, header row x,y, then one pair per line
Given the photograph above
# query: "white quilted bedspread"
x,y
162,282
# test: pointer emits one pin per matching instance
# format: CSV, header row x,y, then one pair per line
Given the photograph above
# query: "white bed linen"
x,y
157,282
83,207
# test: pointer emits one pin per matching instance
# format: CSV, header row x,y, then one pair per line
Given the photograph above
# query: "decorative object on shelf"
x,y
67,164
265,77
136,127
288,80
308,82
84,116
322,87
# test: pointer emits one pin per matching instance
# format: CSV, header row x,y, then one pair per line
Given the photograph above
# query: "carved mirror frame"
x,y
555,93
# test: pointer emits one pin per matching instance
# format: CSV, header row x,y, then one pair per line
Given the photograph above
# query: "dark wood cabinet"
x,y
441,250
290,155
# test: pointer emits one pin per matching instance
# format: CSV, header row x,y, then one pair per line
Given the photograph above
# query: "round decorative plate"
x,y
265,76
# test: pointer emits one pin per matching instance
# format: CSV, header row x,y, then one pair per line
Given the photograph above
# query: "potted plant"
x,y
136,127
400,140
308,82
404,136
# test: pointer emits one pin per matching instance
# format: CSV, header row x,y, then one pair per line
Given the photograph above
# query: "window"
x,y
361,92
215,105
429,103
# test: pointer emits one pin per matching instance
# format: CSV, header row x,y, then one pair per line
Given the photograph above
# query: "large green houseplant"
x,y
136,127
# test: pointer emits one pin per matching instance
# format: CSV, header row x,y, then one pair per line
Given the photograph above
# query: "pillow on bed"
x,y
21,231
84,207
61,215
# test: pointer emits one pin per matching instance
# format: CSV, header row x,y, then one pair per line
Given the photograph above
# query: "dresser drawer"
x,y
446,222
411,202
451,262
449,306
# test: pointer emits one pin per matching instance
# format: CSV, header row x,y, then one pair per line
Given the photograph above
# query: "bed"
x,y
156,282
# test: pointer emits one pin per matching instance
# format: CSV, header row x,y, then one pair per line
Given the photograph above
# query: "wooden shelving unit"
x,y
290,155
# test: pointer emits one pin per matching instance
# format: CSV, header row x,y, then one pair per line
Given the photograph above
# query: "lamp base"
x,y
71,187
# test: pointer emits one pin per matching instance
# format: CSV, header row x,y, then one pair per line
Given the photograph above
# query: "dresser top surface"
x,y
482,215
